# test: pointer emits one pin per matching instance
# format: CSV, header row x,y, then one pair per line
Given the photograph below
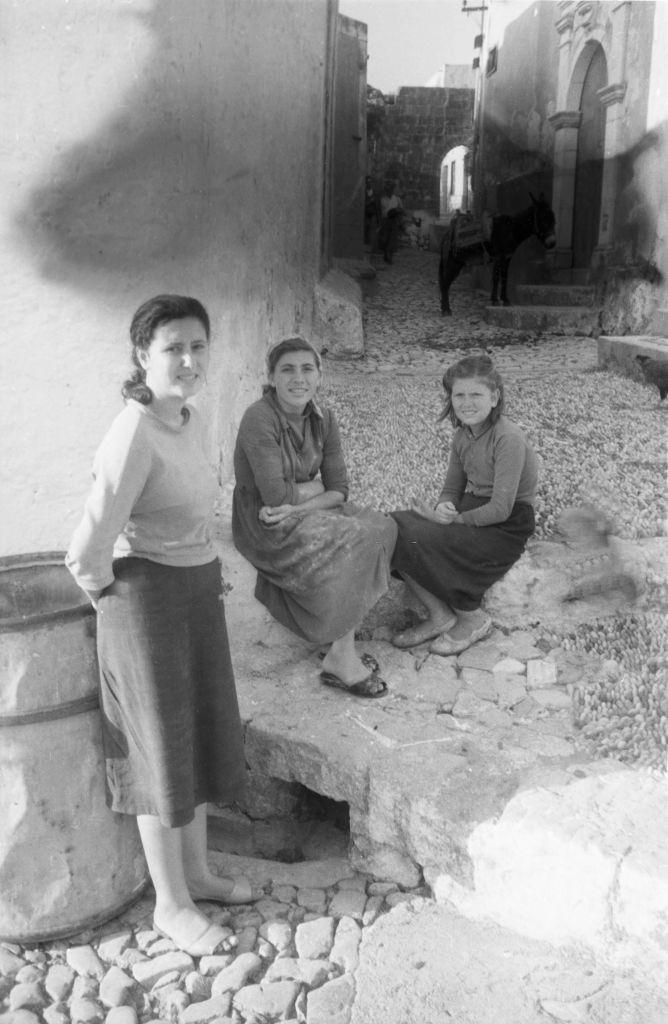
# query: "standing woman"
x,y
321,563
143,554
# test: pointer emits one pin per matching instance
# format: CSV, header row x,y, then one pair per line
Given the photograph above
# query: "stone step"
x,y
547,319
556,294
570,275
619,353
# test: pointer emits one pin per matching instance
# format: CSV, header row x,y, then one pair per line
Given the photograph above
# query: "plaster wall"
x,y
349,139
147,146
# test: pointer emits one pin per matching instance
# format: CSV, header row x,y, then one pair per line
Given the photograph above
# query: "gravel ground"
x,y
601,437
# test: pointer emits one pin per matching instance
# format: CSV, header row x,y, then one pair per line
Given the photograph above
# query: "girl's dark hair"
x,y
296,344
148,318
483,369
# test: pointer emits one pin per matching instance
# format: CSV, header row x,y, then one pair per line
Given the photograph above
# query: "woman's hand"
x,y
445,512
310,489
270,516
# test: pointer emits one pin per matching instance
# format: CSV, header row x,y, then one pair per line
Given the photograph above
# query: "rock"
x,y
511,689
346,944
58,982
209,966
338,314
482,655
541,674
86,1011
312,899
111,946
468,705
238,974
173,1004
209,1010
247,939
393,899
121,1015
310,972
553,698
381,888
149,971
509,666
27,996
272,910
331,1004
356,883
265,949
85,961
348,903
56,1014
372,910
481,683
19,1017
29,974
10,963
269,1001
84,988
116,988
313,939
278,933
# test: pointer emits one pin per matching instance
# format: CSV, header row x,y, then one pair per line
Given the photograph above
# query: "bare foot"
x,y
217,889
423,631
349,670
466,624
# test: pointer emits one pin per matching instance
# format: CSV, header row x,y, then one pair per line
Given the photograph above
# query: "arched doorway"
x,y
589,165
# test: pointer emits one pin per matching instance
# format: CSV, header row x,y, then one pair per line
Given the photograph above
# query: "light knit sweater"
x,y
152,497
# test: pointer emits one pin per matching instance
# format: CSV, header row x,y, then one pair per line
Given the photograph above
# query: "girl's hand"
x,y
93,597
444,513
270,516
310,489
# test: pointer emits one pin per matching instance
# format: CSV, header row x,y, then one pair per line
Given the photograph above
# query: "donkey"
x,y
495,239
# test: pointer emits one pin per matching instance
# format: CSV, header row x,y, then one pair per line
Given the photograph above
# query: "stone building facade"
x,y
575,104
179,145
410,136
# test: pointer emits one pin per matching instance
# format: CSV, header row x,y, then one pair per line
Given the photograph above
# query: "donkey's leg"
x,y
448,270
496,270
505,263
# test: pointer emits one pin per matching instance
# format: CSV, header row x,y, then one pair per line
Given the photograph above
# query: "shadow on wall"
x,y
155,181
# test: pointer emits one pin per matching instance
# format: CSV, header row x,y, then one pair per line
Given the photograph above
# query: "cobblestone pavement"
x,y
404,329
289,957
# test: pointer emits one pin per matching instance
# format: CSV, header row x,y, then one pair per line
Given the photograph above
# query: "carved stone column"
x,y
611,98
566,124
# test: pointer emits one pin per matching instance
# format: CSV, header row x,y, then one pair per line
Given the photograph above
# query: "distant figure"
x,y
371,214
391,211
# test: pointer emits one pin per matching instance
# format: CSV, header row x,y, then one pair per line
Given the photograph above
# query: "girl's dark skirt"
x,y
455,562
170,719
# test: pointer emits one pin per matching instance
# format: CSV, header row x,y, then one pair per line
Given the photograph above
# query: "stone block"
x,y
541,674
338,315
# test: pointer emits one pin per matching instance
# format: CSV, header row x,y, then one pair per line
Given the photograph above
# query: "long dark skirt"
x,y
455,562
170,719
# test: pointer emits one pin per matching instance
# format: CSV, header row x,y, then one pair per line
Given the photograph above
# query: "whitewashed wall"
x,y
147,146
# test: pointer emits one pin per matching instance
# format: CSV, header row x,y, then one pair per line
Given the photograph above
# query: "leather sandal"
x,y
419,634
240,893
210,940
446,645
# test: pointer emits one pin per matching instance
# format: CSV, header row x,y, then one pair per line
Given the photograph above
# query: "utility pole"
x,y
478,133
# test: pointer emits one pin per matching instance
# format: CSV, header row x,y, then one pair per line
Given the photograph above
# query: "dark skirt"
x,y
455,562
170,719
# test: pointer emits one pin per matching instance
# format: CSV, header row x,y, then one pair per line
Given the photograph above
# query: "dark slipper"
x,y
361,689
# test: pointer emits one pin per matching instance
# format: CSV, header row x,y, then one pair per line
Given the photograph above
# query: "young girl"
x,y
451,554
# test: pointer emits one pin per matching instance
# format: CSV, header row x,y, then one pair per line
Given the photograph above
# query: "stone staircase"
x,y
558,308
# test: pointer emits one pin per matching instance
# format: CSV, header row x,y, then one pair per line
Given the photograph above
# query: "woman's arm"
x,y
509,457
120,471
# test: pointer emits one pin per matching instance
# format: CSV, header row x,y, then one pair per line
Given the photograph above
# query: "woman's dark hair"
x,y
146,321
296,344
483,369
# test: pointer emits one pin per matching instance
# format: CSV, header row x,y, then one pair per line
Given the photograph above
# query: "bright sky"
x,y
410,40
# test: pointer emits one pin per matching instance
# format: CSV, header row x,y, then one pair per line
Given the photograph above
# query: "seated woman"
x,y
322,564
451,554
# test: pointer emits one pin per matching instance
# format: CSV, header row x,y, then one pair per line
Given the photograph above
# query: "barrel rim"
x,y
23,622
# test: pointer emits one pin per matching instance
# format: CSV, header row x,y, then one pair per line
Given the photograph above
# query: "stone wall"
x,y
412,135
349,141
147,147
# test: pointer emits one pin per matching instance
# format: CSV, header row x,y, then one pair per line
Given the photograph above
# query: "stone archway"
x,y
588,183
